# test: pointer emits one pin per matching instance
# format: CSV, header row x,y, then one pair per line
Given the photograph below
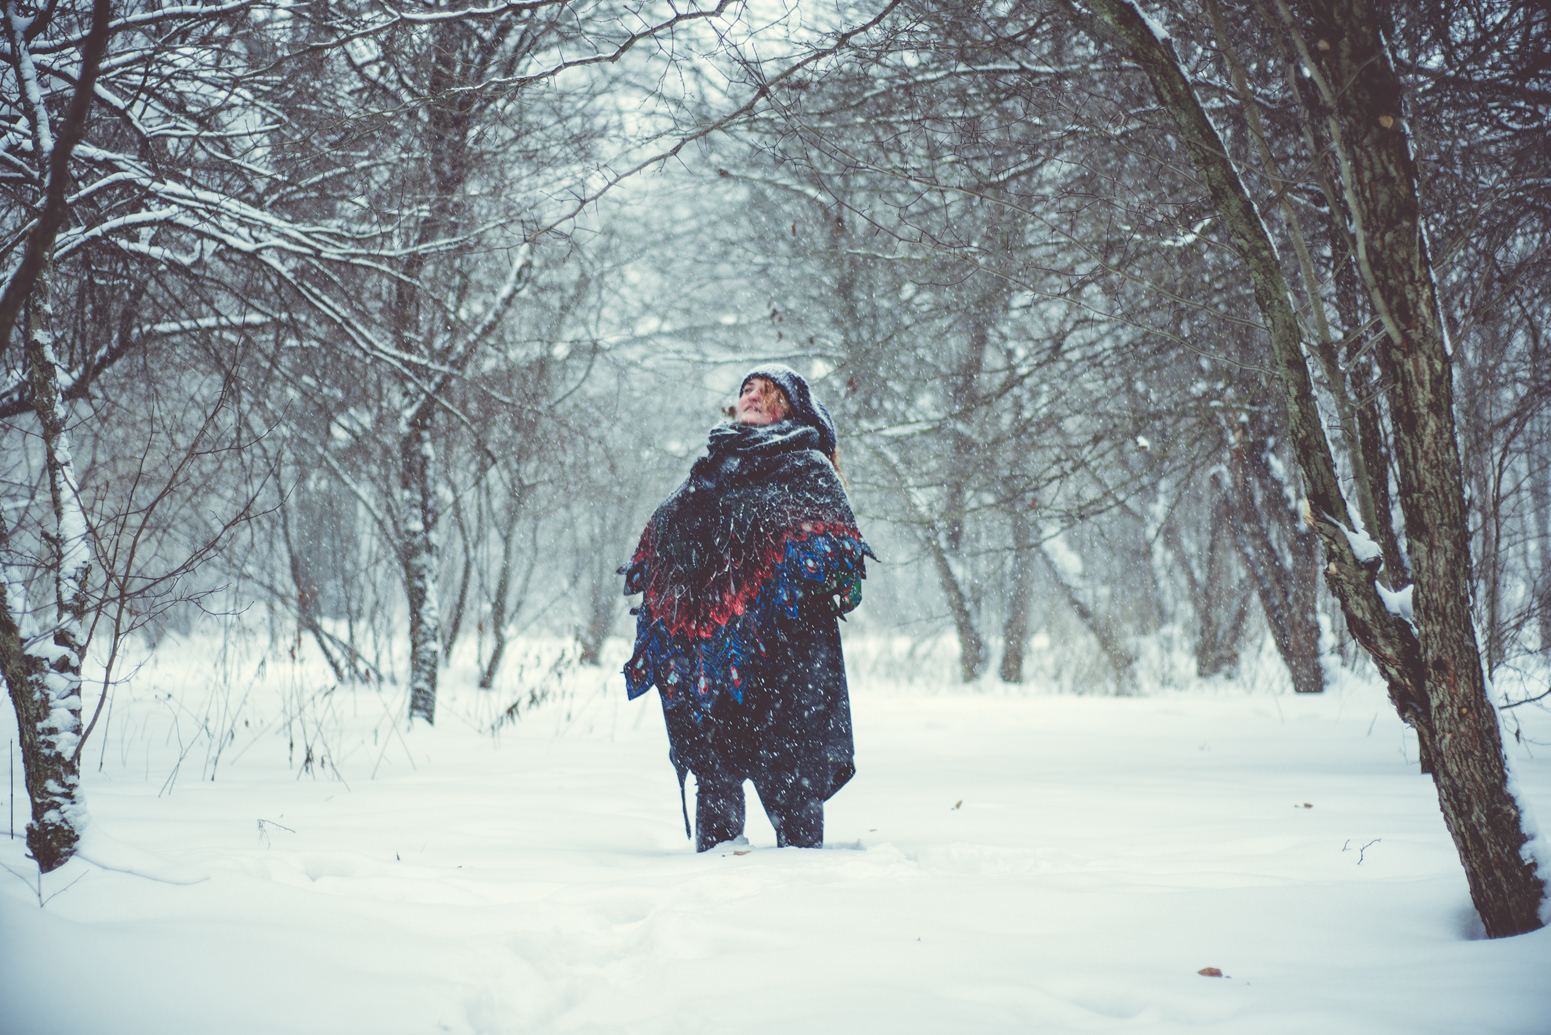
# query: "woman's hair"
x,y
788,411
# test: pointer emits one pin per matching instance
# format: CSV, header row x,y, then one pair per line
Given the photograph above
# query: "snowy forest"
x,y
1188,359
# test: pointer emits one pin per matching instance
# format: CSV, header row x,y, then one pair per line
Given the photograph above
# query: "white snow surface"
x,y
1362,544
1004,861
1398,602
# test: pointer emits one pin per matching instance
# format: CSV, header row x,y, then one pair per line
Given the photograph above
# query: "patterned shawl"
x,y
759,523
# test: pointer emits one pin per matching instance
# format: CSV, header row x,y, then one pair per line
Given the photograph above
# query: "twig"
x,y
1346,847
264,834
1528,700
37,889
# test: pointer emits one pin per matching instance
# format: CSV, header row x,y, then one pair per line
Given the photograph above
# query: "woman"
x,y
744,571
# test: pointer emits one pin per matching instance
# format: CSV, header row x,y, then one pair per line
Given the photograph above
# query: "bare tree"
x,y
42,647
1424,642
995,253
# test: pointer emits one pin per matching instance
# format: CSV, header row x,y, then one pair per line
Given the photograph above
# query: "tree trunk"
x,y
1464,738
973,653
52,153
308,614
966,452
1433,668
1217,597
963,397
1363,381
417,530
503,587
1015,633
602,608
1286,587
49,724
1540,503
464,577
1116,652
45,684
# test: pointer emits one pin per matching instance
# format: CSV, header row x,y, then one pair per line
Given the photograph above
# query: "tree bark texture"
x,y
1020,593
417,529
42,660
1286,586
1433,668
1465,743
49,728
54,151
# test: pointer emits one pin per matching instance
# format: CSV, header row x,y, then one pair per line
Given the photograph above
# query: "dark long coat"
x,y
744,570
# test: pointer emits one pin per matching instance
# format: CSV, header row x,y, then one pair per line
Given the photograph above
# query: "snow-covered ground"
x,y
1003,862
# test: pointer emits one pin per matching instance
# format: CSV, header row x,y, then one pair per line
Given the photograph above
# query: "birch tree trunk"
x,y
1432,662
417,548
41,649
42,659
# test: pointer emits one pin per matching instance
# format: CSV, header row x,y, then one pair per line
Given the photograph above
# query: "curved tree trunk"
x,y
1286,587
1111,641
1430,658
973,653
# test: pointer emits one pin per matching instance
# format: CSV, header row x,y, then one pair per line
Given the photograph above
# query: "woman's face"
x,y
761,402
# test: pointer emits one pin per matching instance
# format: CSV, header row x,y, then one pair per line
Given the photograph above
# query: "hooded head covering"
x,y
805,408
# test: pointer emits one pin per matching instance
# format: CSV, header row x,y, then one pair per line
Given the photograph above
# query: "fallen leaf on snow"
x,y
1209,972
